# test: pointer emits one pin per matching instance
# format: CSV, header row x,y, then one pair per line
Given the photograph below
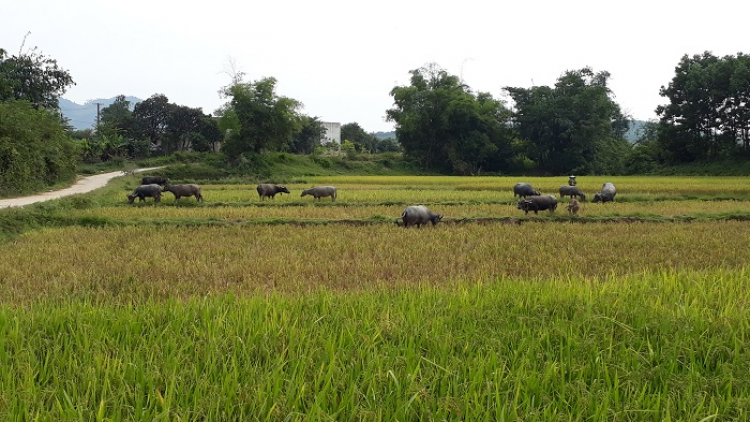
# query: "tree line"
x,y
442,125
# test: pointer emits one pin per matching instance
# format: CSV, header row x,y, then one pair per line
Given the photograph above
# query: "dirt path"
x,y
83,185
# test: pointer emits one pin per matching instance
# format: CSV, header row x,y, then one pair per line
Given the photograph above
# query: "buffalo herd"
x,y
530,199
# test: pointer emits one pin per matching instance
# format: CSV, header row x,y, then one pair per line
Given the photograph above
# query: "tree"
x,y
708,114
309,136
35,150
183,124
265,120
151,119
117,118
444,126
573,127
362,140
32,77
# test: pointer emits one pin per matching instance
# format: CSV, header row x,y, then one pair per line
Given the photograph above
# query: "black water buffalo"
x,y
144,191
607,193
268,190
416,215
538,203
184,190
159,180
572,191
523,190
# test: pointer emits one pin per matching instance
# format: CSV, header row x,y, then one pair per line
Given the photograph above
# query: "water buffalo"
x,y
321,192
573,207
143,191
523,190
270,190
607,193
538,203
572,191
184,190
159,180
418,215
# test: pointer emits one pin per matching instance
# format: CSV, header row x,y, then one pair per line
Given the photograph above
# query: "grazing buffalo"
x,y
607,193
573,207
144,191
523,190
184,190
572,191
159,180
321,192
538,203
418,215
267,190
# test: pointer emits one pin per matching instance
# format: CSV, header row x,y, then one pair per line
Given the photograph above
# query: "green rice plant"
x,y
664,346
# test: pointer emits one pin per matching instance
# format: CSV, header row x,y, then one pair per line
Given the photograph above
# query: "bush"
x,y
35,151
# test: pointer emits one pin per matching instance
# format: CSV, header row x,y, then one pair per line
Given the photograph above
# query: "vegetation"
x,y
445,127
35,151
292,310
575,127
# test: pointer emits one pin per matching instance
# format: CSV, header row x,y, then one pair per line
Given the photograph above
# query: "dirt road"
x,y
83,185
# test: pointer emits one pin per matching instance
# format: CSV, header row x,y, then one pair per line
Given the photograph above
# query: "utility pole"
x,y
98,113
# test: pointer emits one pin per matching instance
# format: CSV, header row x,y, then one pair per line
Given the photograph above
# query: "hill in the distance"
x,y
83,116
385,135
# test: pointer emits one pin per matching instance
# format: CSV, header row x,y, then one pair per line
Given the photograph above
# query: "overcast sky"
x,y
341,58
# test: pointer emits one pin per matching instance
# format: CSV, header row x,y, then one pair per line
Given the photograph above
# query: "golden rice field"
x,y
135,263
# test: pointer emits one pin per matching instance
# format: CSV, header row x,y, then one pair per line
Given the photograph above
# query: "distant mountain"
x,y
83,116
385,135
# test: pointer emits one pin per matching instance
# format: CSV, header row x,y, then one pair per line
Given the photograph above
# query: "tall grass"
x,y
669,346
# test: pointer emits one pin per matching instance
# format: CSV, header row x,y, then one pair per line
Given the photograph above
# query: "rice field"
x,y
634,310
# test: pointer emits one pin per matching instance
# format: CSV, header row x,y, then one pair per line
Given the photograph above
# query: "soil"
x,y
83,185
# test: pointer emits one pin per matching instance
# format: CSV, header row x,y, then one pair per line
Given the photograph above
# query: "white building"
x,y
333,133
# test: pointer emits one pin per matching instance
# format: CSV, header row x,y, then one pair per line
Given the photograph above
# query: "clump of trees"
x,y
152,126
574,126
442,125
708,114
367,142
35,148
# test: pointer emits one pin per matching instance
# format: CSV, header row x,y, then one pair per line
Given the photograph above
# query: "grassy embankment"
x,y
207,312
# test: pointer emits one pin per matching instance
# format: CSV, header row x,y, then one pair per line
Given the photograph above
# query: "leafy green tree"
x,y
117,118
183,123
209,135
35,150
265,121
363,141
309,136
708,114
573,127
150,118
33,77
444,126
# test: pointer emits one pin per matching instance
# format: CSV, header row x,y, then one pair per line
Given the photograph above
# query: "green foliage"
x,y
349,149
708,116
574,127
32,77
265,120
35,151
151,119
444,126
309,136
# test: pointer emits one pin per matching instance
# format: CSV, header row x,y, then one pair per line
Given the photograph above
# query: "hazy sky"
x,y
342,58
